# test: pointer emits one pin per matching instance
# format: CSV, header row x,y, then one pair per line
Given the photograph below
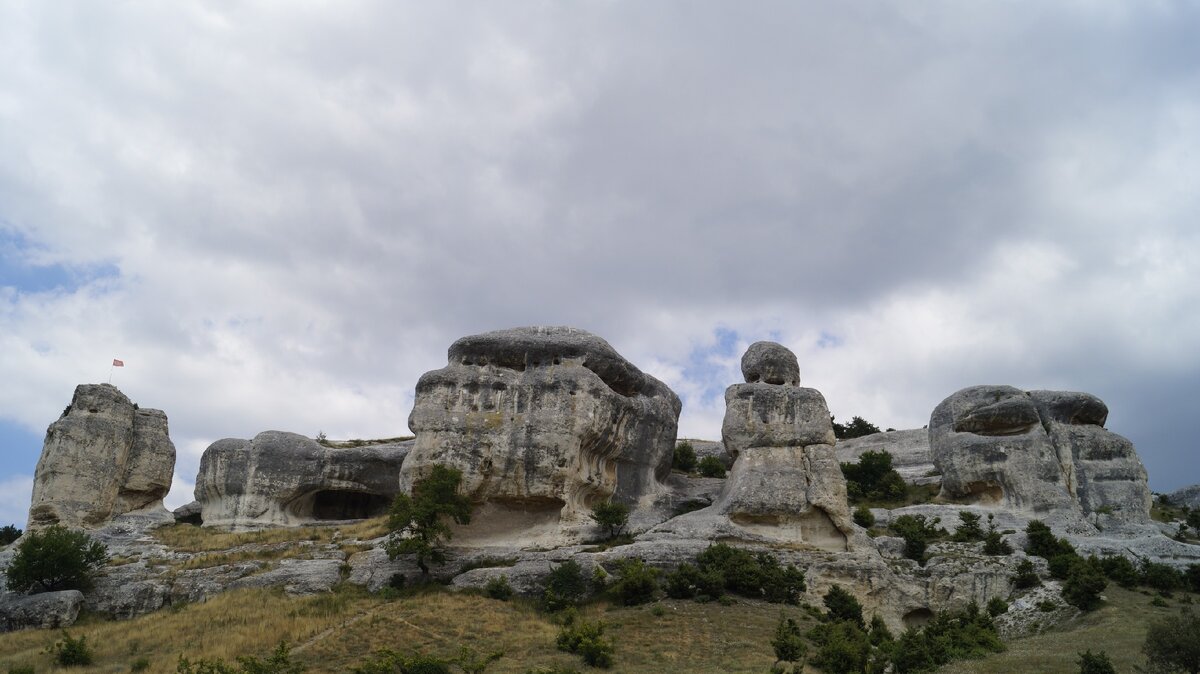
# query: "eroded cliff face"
x,y
286,479
1040,453
543,422
103,458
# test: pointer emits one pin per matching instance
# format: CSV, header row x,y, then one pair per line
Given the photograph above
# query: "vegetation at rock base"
x,y
841,606
417,522
993,542
586,639
863,517
55,558
873,478
711,466
857,428
969,529
788,642
636,583
918,532
610,515
684,459
565,586
722,568
498,588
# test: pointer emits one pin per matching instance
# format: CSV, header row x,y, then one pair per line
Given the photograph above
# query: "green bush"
x,y
1160,577
996,606
140,665
1120,570
756,575
613,516
1041,542
917,532
967,634
8,534
685,458
689,582
387,661
636,583
1193,575
842,647
841,606
418,522
55,558
1061,565
711,466
1095,663
788,643
72,652
564,587
873,478
1083,586
279,662
586,639
863,517
969,529
1173,643
498,588
1026,576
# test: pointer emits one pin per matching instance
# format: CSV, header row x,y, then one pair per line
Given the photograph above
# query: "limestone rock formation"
x,y
786,484
103,458
543,422
1187,496
1040,453
40,611
285,479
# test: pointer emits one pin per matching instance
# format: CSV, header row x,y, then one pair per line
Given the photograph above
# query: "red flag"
x,y
118,363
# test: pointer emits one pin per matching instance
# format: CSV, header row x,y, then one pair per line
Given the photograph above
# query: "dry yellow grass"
x,y
190,538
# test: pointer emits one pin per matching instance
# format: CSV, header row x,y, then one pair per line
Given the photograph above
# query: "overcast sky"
x,y
280,214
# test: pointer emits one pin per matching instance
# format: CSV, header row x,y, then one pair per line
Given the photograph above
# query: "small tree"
x,y
1173,644
788,643
612,515
8,534
842,606
636,582
565,586
993,541
1083,586
1026,576
711,466
969,529
55,558
1095,663
685,457
417,522
863,517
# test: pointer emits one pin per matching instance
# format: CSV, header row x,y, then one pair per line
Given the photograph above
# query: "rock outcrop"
x,y
40,611
104,457
286,479
543,422
1187,496
785,484
1041,453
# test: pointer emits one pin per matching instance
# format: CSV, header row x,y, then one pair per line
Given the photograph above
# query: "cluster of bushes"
x,y
8,534
844,643
722,568
685,461
278,662
872,478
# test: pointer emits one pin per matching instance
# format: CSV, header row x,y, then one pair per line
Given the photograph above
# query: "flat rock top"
x,y
770,363
519,348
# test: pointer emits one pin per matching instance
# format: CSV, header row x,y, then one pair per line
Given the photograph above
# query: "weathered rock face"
x,y
1188,496
40,611
104,457
543,422
770,363
285,479
1041,452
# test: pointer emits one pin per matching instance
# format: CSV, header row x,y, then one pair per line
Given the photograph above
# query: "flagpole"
x,y
110,371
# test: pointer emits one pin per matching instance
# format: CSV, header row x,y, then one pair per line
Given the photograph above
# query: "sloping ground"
x,y
334,631
1117,628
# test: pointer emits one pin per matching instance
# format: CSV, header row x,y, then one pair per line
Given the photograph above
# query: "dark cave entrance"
x,y
348,505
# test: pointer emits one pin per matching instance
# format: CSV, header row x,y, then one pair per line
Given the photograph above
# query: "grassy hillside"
x,y
329,633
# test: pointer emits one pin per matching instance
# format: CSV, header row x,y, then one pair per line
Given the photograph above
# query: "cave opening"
x,y
348,505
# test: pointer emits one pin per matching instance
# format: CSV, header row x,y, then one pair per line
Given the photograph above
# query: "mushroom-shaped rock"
x,y
286,479
786,483
770,363
1040,453
104,457
543,422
